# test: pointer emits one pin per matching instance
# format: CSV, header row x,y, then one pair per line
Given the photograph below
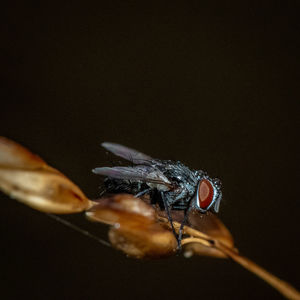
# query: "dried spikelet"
x,y
27,178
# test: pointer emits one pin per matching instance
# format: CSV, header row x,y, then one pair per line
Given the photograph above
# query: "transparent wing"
x,y
127,153
138,173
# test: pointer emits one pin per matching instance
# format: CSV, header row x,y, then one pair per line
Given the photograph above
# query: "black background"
x,y
214,86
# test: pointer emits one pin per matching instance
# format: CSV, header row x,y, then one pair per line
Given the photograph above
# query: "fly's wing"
x,y
138,173
127,153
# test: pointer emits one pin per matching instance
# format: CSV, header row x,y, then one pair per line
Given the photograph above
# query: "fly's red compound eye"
x,y
205,193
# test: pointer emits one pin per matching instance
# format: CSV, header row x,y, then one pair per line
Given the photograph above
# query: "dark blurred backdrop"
x,y
213,86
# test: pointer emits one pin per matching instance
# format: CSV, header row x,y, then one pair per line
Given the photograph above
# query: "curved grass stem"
x,y
196,236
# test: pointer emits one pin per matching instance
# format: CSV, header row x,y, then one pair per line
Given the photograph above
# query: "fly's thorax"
x,y
183,191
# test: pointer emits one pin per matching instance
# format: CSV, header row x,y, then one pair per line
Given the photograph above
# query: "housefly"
x,y
170,184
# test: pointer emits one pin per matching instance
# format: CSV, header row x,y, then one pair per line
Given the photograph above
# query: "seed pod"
x,y
27,178
135,229
212,226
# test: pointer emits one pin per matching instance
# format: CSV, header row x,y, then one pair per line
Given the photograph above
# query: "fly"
x,y
169,183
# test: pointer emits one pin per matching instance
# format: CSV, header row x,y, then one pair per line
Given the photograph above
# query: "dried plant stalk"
x,y
281,286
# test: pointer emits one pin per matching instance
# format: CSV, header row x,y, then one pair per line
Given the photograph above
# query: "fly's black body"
x,y
170,184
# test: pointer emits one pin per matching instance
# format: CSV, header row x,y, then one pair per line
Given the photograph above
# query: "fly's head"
x,y
208,193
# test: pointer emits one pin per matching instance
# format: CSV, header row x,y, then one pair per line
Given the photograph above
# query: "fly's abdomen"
x,y
123,186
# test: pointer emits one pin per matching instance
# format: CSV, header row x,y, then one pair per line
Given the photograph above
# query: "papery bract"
x,y
136,230
27,178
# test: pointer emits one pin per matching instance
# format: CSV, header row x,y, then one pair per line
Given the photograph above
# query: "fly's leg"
x,y
102,193
166,205
142,193
186,212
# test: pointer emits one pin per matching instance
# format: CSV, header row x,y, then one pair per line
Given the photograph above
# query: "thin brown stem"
x,y
196,236
281,286
195,240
